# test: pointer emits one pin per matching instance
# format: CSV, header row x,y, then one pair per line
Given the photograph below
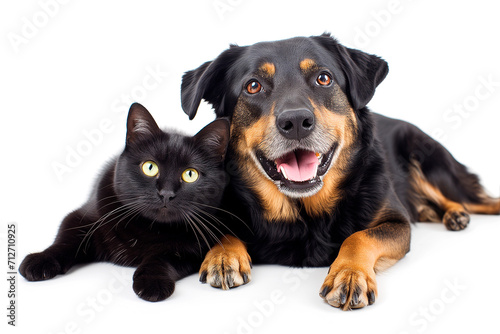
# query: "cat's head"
x,y
167,176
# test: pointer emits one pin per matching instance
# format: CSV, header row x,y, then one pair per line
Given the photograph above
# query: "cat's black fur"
x,y
160,224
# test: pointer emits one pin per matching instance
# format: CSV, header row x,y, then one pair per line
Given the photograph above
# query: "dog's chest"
x,y
308,243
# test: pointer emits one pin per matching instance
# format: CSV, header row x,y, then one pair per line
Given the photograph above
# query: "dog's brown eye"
x,y
324,79
254,87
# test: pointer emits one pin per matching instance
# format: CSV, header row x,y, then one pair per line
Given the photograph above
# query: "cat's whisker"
x,y
121,208
152,223
101,222
190,218
135,210
210,234
216,220
102,199
213,217
84,215
128,211
190,224
198,214
225,211
130,215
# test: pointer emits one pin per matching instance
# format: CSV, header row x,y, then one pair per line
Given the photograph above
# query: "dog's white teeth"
x,y
315,171
282,171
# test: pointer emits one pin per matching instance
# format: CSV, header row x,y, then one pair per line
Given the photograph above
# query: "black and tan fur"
x,y
376,175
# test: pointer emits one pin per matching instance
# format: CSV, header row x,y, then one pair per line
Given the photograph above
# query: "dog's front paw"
x,y
349,287
226,267
39,267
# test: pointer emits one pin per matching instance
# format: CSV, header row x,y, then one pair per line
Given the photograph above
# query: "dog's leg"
x,y
455,215
227,265
350,282
442,189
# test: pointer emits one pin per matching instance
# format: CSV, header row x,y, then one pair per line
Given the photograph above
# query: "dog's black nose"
x,y
295,124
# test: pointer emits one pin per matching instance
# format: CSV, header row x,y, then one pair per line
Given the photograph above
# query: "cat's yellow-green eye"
x,y
190,175
150,168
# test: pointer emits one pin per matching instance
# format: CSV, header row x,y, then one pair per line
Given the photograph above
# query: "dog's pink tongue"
x,y
298,166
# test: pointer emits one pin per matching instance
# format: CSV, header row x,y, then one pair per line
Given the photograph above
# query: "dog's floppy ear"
x,y
209,82
363,71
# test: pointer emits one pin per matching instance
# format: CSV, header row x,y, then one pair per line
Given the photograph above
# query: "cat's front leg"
x,y
154,279
40,266
64,253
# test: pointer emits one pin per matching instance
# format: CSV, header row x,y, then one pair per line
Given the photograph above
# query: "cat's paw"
x,y
152,286
226,267
39,267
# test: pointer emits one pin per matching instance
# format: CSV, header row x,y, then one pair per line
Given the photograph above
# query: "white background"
x,y
67,73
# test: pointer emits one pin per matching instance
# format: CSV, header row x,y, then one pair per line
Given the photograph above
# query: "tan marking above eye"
x,y
268,69
307,64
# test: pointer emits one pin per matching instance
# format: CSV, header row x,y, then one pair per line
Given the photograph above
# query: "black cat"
x,y
154,208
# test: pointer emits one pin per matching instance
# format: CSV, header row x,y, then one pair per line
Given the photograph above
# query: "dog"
x,y
318,178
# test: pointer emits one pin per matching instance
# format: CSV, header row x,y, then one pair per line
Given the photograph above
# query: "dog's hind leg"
x,y
446,187
489,206
434,205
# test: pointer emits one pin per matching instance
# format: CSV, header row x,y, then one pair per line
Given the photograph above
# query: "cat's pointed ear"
x,y
215,136
140,123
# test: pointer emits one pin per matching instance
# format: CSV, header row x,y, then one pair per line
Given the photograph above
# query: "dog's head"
x,y
294,107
